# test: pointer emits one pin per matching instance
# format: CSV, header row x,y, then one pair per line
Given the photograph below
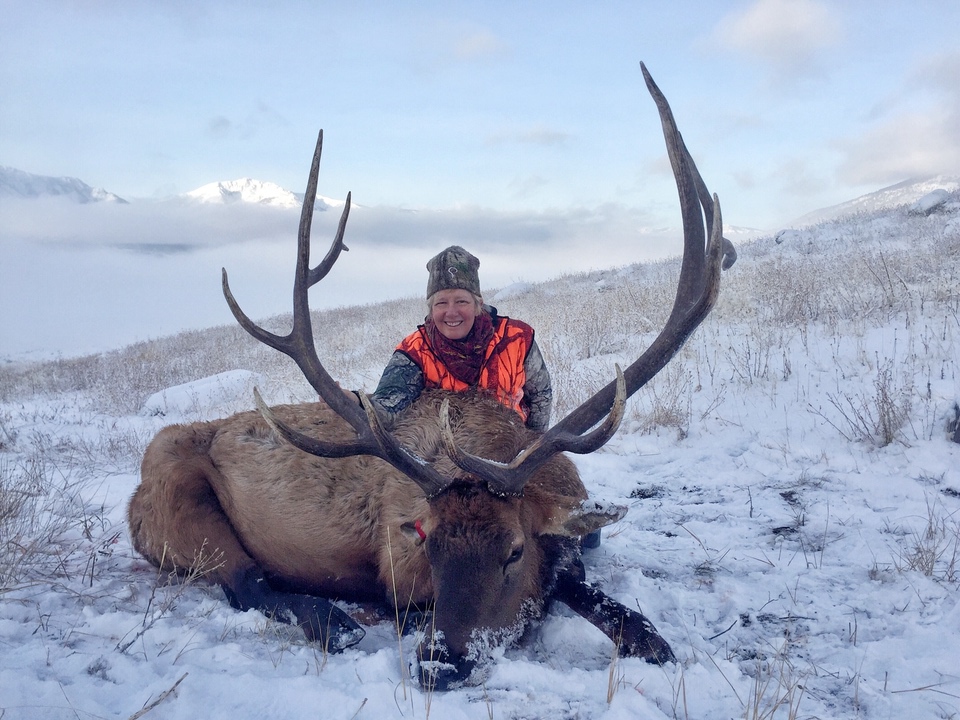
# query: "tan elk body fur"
x,y
328,526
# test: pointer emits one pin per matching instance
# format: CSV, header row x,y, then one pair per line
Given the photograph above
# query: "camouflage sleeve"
x,y
537,390
400,384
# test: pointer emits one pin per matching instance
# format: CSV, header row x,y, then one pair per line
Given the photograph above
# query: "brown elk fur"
x,y
340,527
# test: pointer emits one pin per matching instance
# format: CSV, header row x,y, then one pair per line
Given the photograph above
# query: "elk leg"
x,y
634,635
175,518
177,522
321,620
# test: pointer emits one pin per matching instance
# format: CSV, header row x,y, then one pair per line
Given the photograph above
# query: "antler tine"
x,y
387,449
510,478
308,444
697,290
298,344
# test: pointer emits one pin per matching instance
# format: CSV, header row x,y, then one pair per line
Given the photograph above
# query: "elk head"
x,y
494,565
498,528
493,555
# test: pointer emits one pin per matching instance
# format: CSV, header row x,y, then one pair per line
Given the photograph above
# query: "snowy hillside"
x,y
20,184
903,193
794,495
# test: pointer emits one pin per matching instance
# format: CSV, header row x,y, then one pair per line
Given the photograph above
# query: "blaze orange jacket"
x,y
502,371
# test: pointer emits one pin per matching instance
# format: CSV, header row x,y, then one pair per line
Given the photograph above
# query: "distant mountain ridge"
x,y
902,193
17,183
20,184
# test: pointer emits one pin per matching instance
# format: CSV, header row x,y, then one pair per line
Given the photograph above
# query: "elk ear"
x,y
590,516
413,531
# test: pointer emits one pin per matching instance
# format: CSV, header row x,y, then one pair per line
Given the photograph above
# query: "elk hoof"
x,y
339,640
643,641
324,623
442,676
321,621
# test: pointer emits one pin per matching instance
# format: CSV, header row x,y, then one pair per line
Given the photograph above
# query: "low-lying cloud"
x,y
182,226
91,277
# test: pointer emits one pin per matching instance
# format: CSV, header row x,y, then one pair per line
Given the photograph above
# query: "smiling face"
x,y
453,312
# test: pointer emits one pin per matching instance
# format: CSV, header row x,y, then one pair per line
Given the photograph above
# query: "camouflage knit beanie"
x,y
454,268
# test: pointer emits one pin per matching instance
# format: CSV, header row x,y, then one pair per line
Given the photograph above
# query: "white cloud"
x,y
528,186
108,276
443,44
160,229
477,44
915,134
539,134
909,145
786,35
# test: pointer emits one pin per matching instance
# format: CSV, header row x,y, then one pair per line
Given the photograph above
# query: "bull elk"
x,y
454,508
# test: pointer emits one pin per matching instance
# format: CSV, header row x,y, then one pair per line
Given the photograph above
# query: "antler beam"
x,y
705,252
371,439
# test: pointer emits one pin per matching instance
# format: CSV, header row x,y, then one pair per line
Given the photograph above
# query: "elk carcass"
x,y
454,508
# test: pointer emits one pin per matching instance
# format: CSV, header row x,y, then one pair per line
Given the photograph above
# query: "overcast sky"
x,y
521,130
788,105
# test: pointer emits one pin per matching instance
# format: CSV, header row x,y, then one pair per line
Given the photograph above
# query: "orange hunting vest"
x,y
502,371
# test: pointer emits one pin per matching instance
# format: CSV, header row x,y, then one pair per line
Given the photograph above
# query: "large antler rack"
x,y
372,438
704,254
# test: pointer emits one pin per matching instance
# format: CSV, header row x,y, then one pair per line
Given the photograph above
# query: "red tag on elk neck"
x,y
418,526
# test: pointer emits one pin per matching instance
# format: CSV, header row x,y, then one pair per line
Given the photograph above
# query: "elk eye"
x,y
515,555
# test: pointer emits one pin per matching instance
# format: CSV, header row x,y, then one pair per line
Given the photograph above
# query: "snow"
x,y
513,290
251,191
788,235
213,395
245,190
773,542
930,202
16,183
902,193
20,184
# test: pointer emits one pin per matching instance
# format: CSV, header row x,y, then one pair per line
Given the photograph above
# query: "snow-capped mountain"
x,y
902,193
245,190
17,183
259,192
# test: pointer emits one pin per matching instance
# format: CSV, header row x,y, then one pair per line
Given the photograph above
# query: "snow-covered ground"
x,y
794,524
